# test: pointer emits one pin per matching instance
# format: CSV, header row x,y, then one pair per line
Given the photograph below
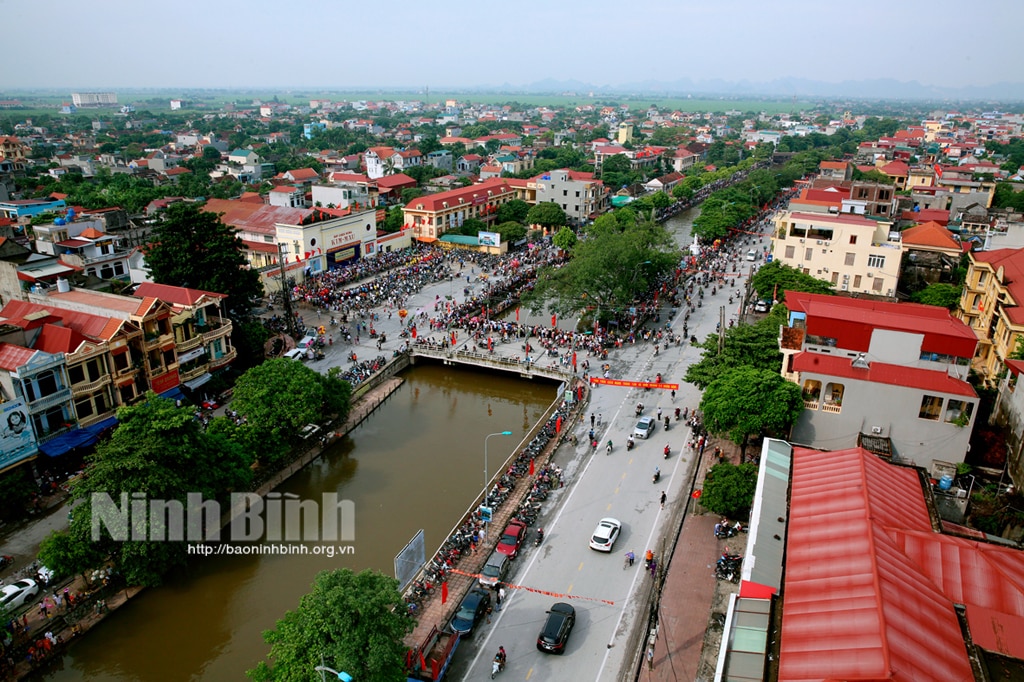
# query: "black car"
x,y
555,633
473,608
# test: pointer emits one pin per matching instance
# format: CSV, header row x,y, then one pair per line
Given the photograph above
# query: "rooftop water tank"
x,y
945,483
63,287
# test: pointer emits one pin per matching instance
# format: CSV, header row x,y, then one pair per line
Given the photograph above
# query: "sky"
x,y
352,44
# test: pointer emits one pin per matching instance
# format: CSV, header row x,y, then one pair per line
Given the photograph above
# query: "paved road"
x,y
617,485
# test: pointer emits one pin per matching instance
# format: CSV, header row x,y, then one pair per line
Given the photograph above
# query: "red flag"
x,y
444,592
531,466
413,331
490,343
558,424
574,358
554,320
517,314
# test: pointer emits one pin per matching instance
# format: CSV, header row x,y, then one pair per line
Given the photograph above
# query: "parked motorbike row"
x,y
728,567
463,539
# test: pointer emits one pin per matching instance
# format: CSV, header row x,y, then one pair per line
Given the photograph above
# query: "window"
x,y
850,259
959,412
812,390
876,261
76,374
931,408
835,278
856,281
790,252
876,285
982,276
807,253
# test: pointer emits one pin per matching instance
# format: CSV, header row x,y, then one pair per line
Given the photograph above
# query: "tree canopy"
x,y
608,269
745,401
546,214
773,279
748,345
515,211
729,489
278,398
160,450
352,622
942,295
193,248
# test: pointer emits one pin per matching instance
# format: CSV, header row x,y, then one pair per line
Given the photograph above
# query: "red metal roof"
x,y
90,326
882,373
931,234
174,295
851,322
12,357
435,202
854,606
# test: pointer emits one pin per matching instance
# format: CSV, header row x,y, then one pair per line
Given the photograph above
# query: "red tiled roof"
x,y
882,373
936,215
852,320
302,174
182,296
896,169
435,202
396,180
55,339
834,165
930,234
12,357
254,217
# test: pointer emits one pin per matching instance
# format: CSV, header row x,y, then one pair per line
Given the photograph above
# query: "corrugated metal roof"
x,y
871,588
763,565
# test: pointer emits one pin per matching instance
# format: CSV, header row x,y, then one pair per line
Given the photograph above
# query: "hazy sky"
x,y
82,44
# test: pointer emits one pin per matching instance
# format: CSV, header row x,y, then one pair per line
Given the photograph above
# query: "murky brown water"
x,y
416,463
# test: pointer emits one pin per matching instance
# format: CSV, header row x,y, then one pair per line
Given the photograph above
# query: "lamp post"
x,y
487,438
344,677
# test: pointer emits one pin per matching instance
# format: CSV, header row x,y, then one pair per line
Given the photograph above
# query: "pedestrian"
x,y
501,597
663,498
489,611
592,418
654,568
650,658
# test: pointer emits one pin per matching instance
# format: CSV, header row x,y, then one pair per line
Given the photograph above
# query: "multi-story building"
x,y
431,216
580,195
26,208
892,373
381,161
854,253
36,403
83,244
13,151
94,99
991,306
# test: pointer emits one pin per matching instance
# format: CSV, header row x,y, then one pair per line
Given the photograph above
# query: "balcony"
x,y
832,407
190,374
810,404
80,389
189,344
54,399
217,363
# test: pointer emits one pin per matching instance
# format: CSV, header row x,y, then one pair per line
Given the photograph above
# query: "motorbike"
x,y
668,451
630,443
639,409
657,475
667,422
677,414
497,665
6,560
609,447
540,537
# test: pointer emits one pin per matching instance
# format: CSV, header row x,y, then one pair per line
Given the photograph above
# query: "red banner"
x,y
633,384
559,595
517,314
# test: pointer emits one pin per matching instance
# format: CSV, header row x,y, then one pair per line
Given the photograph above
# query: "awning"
x,y
173,394
78,438
192,354
198,381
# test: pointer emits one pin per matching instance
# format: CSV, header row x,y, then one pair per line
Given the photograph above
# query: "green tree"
x,y
547,214
729,489
513,211
352,622
211,153
160,450
272,425
748,345
66,554
410,193
193,248
660,200
773,279
608,269
565,239
746,401
511,231
942,295
394,220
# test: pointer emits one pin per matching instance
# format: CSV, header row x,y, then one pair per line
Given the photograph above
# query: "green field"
x,y
159,100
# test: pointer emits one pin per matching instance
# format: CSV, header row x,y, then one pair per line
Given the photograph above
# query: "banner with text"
x,y
633,384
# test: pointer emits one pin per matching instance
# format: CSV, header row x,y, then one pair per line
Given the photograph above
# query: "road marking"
x,y
580,567
529,673
630,461
616,492
609,507
569,590
623,475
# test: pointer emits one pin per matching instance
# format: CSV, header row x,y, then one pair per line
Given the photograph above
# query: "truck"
x,y
429,662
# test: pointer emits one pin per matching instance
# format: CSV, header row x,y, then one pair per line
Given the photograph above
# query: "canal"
x,y
415,463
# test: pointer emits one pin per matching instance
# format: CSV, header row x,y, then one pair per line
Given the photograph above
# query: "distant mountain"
x,y
877,88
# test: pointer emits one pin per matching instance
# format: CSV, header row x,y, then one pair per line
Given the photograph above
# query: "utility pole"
x,y
721,329
286,296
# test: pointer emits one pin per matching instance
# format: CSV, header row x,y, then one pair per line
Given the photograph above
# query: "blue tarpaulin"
x,y
173,394
77,438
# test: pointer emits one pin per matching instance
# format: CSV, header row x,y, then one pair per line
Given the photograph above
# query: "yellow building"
x,y
854,253
990,305
625,133
431,216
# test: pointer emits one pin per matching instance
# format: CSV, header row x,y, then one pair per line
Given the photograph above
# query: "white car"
x,y
16,594
761,306
644,427
605,535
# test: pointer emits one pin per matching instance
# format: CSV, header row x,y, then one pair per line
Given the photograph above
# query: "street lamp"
x,y
487,438
344,677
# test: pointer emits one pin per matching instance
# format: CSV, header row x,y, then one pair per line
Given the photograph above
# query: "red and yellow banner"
x,y
559,595
633,384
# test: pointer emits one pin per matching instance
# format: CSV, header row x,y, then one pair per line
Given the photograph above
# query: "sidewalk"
x,y
689,630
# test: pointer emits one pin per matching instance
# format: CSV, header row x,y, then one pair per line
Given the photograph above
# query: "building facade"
x,y
854,253
580,195
990,306
431,216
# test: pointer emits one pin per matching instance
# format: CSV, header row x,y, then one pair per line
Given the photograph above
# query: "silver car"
x,y
644,427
